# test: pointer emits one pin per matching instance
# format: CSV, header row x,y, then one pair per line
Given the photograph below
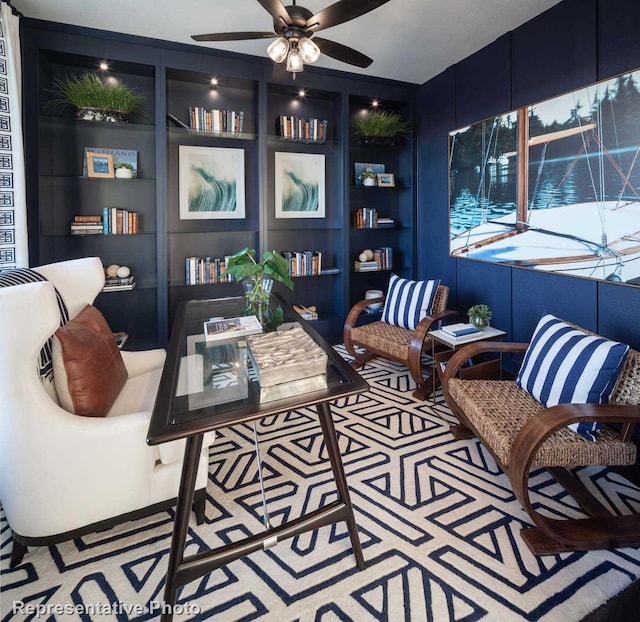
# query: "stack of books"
x,y
385,223
224,329
461,330
366,266
119,284
86,225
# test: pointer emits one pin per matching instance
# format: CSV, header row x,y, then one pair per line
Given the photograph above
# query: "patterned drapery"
x,y
14,250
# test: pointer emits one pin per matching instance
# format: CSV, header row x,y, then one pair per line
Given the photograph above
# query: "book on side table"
x,y
460,329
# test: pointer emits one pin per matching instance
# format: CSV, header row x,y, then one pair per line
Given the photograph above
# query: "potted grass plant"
x,y
257,279
95,100
381,127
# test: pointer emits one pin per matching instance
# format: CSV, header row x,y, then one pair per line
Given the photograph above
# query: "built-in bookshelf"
x,y
199,246
381,217
177,86
316,233
72,205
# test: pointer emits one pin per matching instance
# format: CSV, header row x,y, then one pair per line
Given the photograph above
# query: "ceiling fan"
x,y
295,28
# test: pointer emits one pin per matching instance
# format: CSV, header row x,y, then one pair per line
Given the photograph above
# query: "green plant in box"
x,y
257,278
94,99
381,126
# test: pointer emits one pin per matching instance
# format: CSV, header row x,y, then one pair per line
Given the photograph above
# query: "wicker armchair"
x,y
396,343
522,435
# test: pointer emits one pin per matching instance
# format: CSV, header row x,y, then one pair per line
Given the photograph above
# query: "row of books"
x,y
205,270
116,283
368,218
303,263
382,260
114,221
215,120
299,128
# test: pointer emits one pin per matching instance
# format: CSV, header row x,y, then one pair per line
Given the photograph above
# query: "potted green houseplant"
x,y
124,170
95,100
480,315
381,127
368,177
257,279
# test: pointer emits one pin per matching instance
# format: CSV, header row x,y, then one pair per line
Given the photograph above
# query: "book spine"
x,y
105,221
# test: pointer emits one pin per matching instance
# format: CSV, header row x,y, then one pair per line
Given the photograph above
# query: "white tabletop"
x,y
486,333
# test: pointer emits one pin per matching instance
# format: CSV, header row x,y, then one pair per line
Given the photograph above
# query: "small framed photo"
x,y
386,180
99,164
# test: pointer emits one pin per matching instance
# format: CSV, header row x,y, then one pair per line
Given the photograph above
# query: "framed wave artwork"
x,y
211,183
299,185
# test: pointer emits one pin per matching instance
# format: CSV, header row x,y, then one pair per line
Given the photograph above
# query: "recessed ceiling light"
x,y
214,81
104,65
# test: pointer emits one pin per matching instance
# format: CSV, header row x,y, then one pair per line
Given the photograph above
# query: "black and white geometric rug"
x,y
438,523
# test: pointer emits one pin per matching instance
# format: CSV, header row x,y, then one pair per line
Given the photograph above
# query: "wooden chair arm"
x,y
544,424
357,309
480,347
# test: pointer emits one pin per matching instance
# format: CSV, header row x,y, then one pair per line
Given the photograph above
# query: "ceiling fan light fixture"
x,y
294,60
309,51
278,50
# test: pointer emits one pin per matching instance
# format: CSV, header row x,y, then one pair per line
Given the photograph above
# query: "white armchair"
x,y
63,475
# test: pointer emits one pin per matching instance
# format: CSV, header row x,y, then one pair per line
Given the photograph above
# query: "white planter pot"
x,y
124,173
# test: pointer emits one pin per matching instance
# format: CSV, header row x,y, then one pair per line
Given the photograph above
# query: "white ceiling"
x,y
409,40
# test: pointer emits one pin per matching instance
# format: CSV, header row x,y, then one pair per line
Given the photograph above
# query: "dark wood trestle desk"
x,y
184,411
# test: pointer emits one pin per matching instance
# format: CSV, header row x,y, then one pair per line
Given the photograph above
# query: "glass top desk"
x,y
185,408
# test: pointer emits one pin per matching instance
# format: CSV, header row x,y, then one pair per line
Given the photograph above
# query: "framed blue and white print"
x,y
211,183
299,185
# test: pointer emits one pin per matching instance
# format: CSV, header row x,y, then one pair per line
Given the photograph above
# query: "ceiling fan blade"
x,y
276,9
233,36
341,12
342,52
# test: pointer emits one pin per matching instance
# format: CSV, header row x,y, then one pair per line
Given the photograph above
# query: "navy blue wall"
x,y
575,43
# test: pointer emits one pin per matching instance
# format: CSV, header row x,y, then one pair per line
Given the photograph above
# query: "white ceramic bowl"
x,y
374,293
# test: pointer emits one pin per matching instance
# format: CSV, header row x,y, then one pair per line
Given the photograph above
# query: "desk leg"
x,y
331,441
192,451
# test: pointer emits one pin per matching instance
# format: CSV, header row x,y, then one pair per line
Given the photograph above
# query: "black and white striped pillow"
x,y
407,302
564,365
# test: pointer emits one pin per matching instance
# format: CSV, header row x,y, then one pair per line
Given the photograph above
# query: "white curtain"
x,y
14,250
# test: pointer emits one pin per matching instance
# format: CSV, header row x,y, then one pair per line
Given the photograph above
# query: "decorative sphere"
x,y
363,256
369,253
112,270
123,271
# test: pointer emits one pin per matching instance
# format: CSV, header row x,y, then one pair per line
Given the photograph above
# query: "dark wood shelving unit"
x,y
172,79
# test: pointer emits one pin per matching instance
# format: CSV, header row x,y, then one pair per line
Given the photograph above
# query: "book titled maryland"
x,y
230,328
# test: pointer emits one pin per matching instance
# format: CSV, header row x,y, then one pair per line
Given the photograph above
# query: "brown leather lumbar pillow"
x,y
88,368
